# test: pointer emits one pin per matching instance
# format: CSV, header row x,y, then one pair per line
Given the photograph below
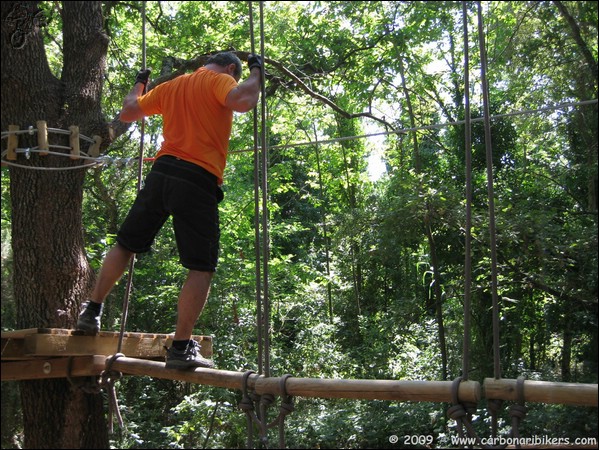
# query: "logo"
x,y
24,21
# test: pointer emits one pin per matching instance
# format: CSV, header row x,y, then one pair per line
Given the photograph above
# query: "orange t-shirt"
x,y
196,122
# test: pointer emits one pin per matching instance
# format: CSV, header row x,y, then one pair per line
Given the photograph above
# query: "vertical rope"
x,y
265,234
125,310
490,193
257,246
468,238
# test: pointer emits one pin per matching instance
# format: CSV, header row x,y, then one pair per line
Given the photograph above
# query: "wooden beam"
x,y
34,342
147,346
43,368
75,143
42,137
20,334
94,149
13,143
578,394
416,391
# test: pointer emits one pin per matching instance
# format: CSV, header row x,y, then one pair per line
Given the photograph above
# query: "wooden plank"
x,y
13,342
20,334
542,392
34,342
142,346
43,368
65,331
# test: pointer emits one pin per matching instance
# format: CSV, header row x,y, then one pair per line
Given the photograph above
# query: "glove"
x,y
143,76
254,61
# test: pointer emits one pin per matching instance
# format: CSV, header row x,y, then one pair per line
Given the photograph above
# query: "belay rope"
x,y
109,377
255,406
462,413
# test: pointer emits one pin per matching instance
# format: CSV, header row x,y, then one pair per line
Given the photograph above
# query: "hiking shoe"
x,y
188,358
89,321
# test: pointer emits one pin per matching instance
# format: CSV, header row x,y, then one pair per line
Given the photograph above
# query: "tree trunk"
x,y
52,275
568,337
438,302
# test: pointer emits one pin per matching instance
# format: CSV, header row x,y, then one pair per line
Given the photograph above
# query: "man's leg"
x,y
185,353
116,262
114,266
192,299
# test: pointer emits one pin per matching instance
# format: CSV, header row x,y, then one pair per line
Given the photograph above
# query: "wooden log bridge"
x,y
414,391
55,353
577,394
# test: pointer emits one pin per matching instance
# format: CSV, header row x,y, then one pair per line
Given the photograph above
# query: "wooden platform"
x,y
38,353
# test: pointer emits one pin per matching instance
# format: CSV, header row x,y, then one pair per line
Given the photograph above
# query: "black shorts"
x,y
191,195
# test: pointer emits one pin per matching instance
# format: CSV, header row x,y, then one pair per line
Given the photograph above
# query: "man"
x,y
184,182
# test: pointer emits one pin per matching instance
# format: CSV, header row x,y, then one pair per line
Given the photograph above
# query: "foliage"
x,y
350,266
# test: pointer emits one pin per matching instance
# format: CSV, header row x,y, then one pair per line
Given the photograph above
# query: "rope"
x,y
265,401
31,131
261,220
108,379
125,310
265,239
468,225
93,385
285,409
257,233
105,160
490,194
460,413
108,376
29,150
429,127
518,411
247,406
261,268
97,161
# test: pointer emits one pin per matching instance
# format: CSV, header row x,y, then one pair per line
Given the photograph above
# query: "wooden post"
x,y
94,149
12,144
42,137
542,392
74,139
415,391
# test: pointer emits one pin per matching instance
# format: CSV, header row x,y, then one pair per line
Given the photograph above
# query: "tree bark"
x,y
52,275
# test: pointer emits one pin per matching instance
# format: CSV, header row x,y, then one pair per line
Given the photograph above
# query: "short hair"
x,y
223,59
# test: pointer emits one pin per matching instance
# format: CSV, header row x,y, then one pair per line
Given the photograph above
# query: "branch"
x,y
322,98
577,36
175,67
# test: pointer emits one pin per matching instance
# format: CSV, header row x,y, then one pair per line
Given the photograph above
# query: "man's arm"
x,y
245,96
131,110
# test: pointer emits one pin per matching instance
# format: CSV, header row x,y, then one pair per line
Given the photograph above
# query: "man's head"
x,y
226,60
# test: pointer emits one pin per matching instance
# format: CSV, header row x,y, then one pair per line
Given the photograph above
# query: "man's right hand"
x,y
143,76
